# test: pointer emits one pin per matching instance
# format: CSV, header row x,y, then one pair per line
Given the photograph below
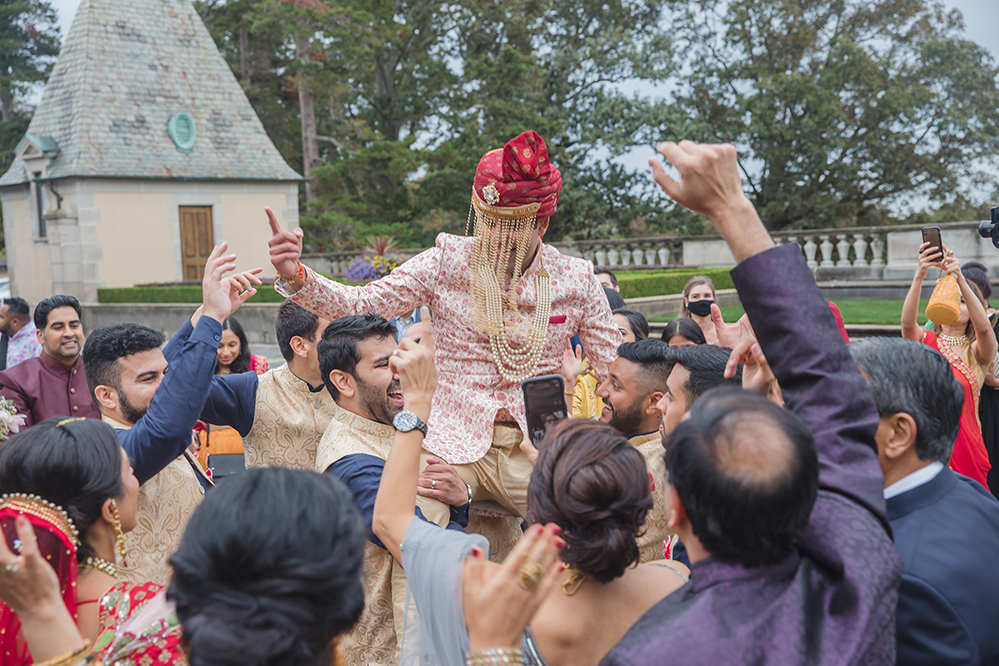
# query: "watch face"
x,y
405,421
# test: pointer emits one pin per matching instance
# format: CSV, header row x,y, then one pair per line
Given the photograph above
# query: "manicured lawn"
x,y
854,312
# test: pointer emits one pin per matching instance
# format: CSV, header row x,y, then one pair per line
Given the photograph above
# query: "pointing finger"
x,y
272,218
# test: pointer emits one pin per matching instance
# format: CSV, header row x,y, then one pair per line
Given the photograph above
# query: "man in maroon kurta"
x,y
52,383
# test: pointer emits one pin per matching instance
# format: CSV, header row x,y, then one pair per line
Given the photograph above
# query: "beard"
x,y
375,400
129,411
625,421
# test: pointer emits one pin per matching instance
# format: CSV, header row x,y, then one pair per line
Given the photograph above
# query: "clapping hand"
x,y
285,247
499,600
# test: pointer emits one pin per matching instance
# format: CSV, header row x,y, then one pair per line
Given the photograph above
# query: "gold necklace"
x,y
101,565
954,341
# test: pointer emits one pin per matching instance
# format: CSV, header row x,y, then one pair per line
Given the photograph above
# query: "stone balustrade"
x,y
857,253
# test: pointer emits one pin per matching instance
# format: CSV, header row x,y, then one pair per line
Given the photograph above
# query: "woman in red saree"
x,y
968,344
72,481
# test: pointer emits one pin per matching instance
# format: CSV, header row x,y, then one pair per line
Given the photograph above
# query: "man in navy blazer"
x,y
946,525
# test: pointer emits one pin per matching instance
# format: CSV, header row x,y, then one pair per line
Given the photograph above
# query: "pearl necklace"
x,y
516,365
101,565
953,341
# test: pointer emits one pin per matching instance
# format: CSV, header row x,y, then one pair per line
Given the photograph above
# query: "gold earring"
x,y
119,533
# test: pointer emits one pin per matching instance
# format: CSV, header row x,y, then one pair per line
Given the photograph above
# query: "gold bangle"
x,y
498,655
78,657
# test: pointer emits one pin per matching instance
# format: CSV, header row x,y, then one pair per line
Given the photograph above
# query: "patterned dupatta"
x,y
57,541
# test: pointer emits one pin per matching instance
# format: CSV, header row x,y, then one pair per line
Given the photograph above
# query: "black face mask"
x,y
700,308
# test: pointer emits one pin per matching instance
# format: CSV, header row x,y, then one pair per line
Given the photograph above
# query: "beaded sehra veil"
x,y
57,541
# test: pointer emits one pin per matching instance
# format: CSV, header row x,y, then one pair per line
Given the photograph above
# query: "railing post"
x,y
826,247
612,257
664,258
843,247
600,255
636,256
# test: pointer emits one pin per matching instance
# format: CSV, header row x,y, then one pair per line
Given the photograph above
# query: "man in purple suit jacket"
x,y
781,510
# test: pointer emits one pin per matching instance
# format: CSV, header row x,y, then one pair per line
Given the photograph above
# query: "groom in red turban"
x,y
504,308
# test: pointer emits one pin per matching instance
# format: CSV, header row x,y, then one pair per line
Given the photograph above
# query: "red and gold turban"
x,y
519,175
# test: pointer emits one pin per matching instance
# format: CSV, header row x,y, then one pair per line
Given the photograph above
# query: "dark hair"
x,y
603,270
338,348
614,299
972,273
706,364
19,306
590,481
269,570
242,362
111,342
294,321
910,377
747,474
76,465
43,308
685,327
639,324
655,358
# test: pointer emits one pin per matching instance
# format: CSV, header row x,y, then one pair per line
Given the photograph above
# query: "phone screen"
x,y
544,402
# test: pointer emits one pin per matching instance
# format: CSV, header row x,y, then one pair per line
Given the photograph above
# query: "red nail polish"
x,y
556,530
559,543
476,551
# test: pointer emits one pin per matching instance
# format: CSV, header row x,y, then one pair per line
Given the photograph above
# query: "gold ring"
x,y
531,575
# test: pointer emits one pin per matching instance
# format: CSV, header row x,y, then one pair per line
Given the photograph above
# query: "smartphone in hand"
x,y
931,235
544,401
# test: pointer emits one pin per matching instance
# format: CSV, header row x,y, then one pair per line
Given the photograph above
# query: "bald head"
x,y
747,474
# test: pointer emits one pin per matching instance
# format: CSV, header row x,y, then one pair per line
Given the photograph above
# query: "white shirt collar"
x,y
914,480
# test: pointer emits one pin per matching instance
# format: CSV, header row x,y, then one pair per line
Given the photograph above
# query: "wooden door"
x,y
196,239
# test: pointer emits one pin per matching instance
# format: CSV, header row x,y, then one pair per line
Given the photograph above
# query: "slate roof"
x,y
125,68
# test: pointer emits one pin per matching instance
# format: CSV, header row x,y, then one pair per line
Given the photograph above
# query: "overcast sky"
x,y
981,18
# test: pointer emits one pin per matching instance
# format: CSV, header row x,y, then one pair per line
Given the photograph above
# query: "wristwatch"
x,y
406,421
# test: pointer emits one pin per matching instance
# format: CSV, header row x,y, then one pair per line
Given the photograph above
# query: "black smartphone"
x,y
931,235
544,401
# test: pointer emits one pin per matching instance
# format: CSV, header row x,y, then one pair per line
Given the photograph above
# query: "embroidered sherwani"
x,y
471,391
166,502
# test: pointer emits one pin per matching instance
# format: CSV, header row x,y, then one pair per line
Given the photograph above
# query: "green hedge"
x,y
635,284
180,293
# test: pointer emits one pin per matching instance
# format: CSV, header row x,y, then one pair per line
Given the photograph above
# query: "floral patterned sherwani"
x,y
471,391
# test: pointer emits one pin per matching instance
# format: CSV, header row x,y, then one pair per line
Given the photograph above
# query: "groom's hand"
x,y
285,246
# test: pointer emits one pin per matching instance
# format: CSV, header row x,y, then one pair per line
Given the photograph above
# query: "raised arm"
x,y
404,289
985,345
792,322
928,258
396,499
164,431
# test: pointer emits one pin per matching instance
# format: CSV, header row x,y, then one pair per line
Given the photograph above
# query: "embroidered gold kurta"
x,y
650,544
165,504
288,422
